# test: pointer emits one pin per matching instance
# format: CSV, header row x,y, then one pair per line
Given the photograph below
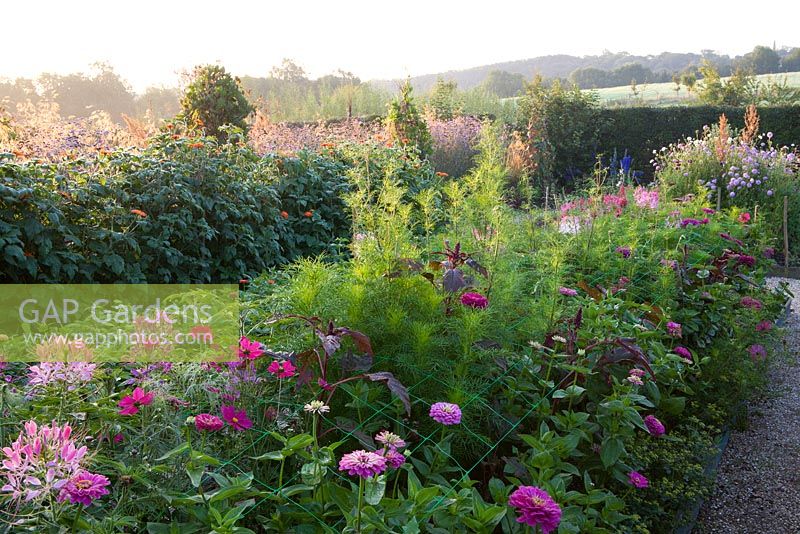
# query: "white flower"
x,y
316,406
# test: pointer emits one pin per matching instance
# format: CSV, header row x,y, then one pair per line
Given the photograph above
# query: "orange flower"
x,y
271,281
244,281
442,174
19,153
176,137
28,254
328,145
170,126
196,145
140,213
285,215
309,213
406,140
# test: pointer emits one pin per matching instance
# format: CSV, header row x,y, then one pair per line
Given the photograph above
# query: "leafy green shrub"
x,y
216,99
406,125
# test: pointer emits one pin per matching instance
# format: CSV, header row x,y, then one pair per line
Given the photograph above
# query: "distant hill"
x,y
659,68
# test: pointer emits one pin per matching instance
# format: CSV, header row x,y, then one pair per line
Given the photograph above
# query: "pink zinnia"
x,y
764,326
394,459
446,413
236,418
674,329
683,352
654,426
84,488
249,349
750,302
567,292
282,369
744,218
207,422
474,300
130,405
362,463
638,480
757,352
535,508
390,439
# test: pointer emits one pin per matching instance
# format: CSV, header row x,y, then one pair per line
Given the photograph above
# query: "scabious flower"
x,y
568,292
390,439
638,480
674,329
393,458
535,508
83,488
654,426
764,326
207,422
752,303
316,406
474,300
249,349
282,368
40,461
446,413
683,352
362,463
625,252
236,418
130,405
757,352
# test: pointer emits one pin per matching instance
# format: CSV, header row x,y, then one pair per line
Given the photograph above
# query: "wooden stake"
x,y
785,236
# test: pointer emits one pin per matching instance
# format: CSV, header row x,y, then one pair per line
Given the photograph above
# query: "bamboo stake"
x,y
785,236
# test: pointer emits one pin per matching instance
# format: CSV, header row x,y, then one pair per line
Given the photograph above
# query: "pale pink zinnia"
x,y
535,508
390,439
362,463
446,413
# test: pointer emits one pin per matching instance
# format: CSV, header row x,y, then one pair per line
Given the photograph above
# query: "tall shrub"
x,y
216,99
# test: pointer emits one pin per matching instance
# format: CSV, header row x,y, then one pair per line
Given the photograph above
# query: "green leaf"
x,y
375,488
611,450
183,447
195,475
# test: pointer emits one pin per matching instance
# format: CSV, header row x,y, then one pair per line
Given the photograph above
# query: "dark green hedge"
x,y
640,130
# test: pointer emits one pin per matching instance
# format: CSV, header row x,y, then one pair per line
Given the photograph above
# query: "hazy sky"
x,y
148,41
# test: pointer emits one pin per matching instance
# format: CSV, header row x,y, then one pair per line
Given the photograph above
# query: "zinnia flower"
x,y
390,439
140,213
535,508
638,480
674,329
208,422
625,252
744,218
654,426
446,413
249,349
362,463
567,292
750,302
683,352
474,300
316,406
84,488
757,352
394,459
130,405
764,326
282,369
236,418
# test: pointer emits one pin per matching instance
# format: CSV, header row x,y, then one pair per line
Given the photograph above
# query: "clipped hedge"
x,y
640,130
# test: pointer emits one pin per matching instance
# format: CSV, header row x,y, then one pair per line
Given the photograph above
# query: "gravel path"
x,y
758,482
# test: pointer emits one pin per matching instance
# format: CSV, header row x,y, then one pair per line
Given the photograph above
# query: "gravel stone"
x,y
758,483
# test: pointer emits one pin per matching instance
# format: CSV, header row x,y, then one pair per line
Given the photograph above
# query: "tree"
x,y
503,84
762,60
289,71
216,98
444,100
740,89
405,123
590,78
791,61
79,94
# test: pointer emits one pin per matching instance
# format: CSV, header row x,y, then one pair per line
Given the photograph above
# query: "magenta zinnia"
x,y
130,405
757,352
394,459
84,488
638,480
474,300
535,508
683,352
674,329
208,422
236,418
446,413
362,463
764,326
654,426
